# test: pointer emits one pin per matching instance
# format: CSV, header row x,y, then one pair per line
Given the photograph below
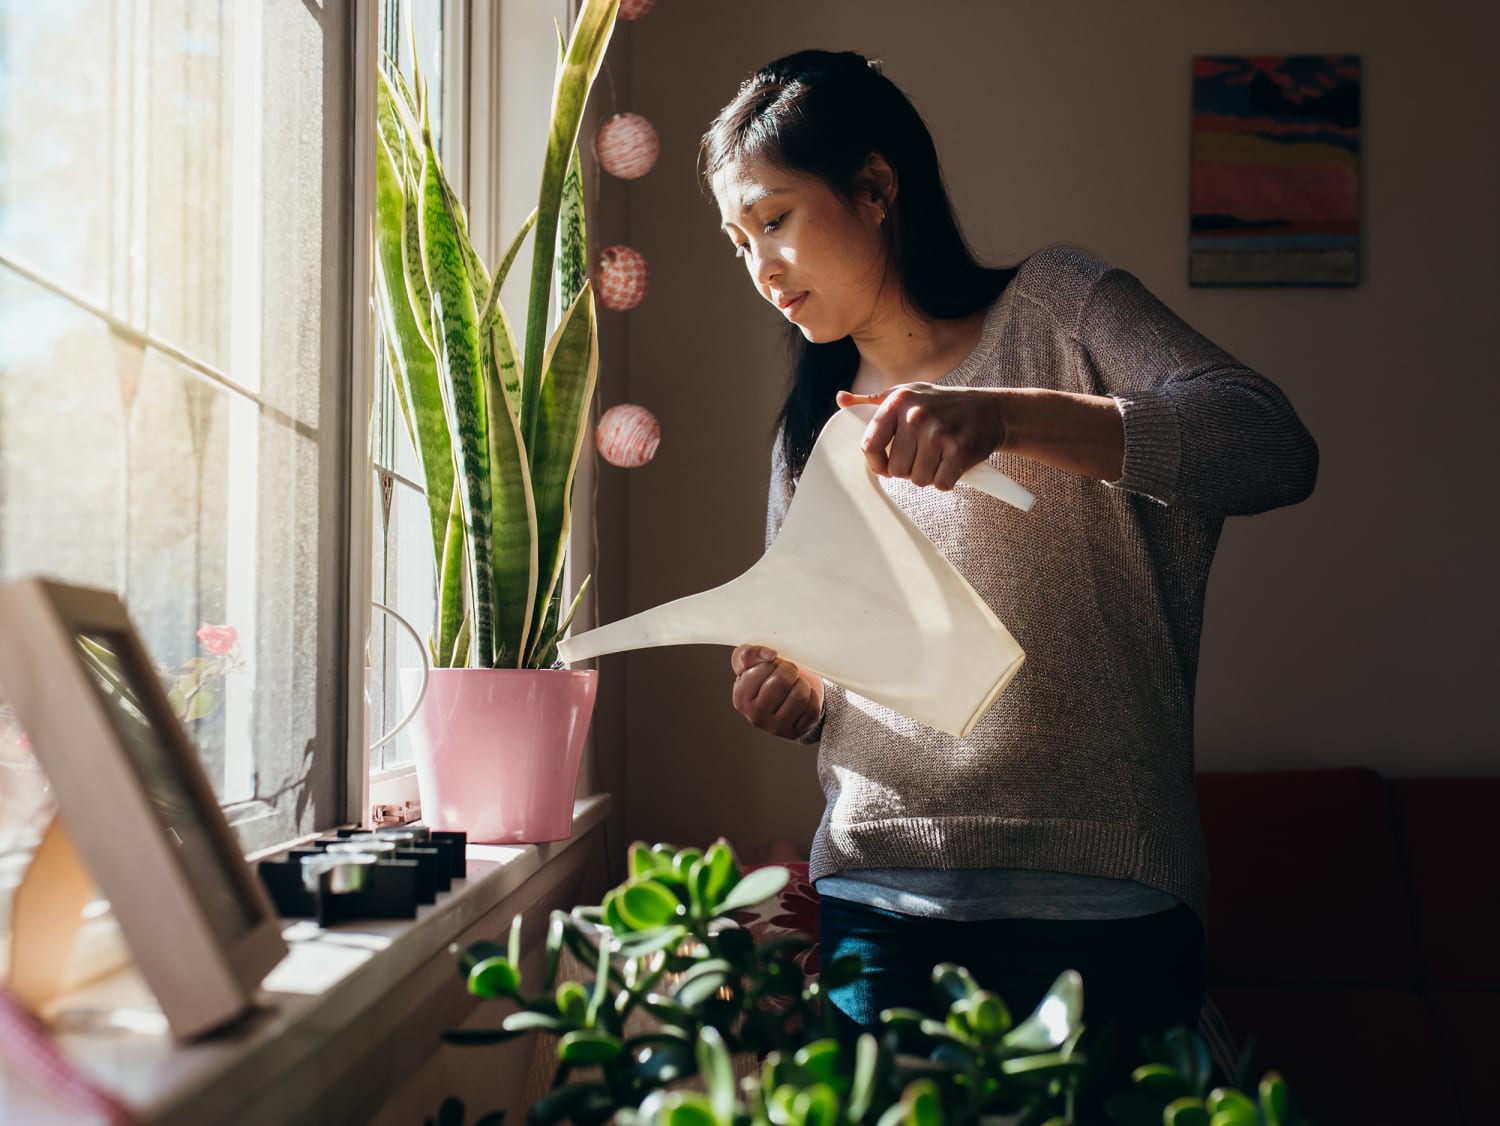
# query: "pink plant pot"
x,y
497,751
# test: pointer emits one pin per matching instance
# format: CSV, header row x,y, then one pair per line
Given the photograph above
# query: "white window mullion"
x,y
362,365
454,69
245,355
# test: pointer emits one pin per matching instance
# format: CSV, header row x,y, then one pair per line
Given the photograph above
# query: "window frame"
x,y
480,67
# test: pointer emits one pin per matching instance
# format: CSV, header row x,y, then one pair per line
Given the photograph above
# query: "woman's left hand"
x,y
930,435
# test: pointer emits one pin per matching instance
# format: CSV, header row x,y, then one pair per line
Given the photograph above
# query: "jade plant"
x,y
679,991
497,429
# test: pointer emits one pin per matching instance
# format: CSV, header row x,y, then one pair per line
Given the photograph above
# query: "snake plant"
x,y
497,432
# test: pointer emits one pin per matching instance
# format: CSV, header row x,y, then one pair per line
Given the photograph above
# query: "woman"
x,y
1063,832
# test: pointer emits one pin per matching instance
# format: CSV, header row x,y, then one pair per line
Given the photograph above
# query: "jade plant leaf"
x,y
1160,1082
717,1072
1274,1099
475,952
754,889
862,1086
588,1046
1186,1111
1054,1020
1229,1107
646,905
494,977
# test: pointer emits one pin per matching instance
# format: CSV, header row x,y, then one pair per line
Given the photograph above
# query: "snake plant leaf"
x,y
479,277
572,265
494,326
585,54
452,620
413,365
513,521
571,369
572,268
499,343
458,656
403,108
417,293
454,312
539,658
545,653
514,249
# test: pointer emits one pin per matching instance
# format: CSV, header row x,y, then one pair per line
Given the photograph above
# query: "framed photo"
x,y
135,802
1275,170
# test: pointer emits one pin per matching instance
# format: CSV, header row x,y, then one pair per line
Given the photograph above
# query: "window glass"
x,y
174,310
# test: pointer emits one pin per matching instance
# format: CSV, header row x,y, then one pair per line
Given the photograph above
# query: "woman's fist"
x,y
774,694
931,435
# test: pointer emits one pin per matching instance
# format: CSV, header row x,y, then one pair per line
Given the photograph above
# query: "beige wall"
x,y
1356,628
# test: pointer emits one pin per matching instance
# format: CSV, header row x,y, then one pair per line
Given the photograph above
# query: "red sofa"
x,y
1353,925
1354,938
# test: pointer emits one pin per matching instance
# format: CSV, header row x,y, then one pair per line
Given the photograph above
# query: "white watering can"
x,y
853,591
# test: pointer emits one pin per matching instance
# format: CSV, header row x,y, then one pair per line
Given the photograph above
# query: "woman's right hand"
x,y
774,694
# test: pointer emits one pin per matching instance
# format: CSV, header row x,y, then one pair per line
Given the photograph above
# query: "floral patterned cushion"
x,y
793,910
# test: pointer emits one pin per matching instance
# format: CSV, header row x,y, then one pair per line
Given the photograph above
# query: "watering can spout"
x,y
683,622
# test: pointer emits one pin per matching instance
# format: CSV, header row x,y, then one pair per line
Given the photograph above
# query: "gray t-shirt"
x,y
970,895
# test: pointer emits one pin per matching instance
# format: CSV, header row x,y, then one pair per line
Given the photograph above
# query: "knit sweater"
x,y
1085,763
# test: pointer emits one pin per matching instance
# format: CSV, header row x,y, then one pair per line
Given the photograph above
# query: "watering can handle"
x,y
426,675
987,479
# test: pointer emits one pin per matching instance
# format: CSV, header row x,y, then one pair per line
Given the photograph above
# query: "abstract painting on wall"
x,y
1275,170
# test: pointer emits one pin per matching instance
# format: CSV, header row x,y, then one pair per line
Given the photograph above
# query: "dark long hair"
x,y
823,114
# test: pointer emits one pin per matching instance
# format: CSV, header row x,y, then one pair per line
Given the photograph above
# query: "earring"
x,y
882,215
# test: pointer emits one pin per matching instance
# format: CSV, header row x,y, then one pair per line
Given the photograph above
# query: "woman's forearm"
x,y
1083,434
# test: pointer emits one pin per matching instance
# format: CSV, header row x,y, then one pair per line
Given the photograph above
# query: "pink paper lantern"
x,y
627,436
627,146
634,9
621,278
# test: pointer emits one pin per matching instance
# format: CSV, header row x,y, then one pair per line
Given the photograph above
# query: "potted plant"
x,y
692,1020
497,430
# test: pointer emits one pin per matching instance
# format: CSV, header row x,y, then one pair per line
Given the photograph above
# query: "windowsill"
x,y
341,999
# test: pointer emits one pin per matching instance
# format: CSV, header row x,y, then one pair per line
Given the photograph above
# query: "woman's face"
x,y
817,259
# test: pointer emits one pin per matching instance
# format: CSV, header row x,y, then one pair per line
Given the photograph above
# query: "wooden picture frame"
x,y
136,803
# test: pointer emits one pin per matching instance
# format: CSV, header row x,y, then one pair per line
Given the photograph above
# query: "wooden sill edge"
x,y
329,987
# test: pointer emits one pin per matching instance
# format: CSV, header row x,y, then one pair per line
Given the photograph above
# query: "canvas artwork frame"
x,y
1275,164
138,809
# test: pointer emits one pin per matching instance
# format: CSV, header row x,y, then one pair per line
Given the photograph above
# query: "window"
x,y
402,572
488,94
175,348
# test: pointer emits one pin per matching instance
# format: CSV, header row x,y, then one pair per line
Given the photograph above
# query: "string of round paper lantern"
x,y
627,436
621,278
627,146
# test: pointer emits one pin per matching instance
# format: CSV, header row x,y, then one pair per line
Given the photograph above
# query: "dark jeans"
x,y
1141,976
